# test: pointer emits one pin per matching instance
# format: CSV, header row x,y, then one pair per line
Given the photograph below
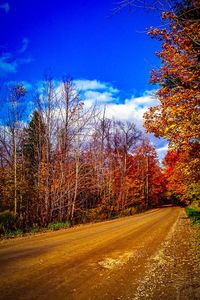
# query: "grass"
x,y
36,229
13,233
193,214
59,225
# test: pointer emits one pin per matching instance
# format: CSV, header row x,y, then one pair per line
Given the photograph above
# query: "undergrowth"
x,y
35,229
193,214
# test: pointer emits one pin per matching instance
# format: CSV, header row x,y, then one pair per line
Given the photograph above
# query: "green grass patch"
x,y
59,225
13,234
193,214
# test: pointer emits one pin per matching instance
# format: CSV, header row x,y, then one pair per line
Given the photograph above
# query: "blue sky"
x,y
109,58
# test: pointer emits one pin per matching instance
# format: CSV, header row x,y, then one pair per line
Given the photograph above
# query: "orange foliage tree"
x,y
177,115
148,174
176,118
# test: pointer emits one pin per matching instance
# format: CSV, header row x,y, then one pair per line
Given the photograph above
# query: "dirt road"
x,y
147,256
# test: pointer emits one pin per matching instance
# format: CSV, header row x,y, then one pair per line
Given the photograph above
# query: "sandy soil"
x,y
148,256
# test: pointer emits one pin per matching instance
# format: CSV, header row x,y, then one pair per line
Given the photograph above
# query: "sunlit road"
x,y
97,261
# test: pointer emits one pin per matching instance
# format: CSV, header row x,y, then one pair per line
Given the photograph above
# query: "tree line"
x,y
68,163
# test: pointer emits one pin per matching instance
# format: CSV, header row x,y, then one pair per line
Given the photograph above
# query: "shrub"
x,y
15,233
193,214
34,229
193,192
8,222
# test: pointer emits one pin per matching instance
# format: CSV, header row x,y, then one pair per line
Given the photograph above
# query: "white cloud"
x,y
7,65
93,85
84,85
132,109
5,7
102,93
25,43
9,62
163,149
94,92
99,97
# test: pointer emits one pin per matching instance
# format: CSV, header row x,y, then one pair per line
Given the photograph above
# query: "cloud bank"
x,y
129,109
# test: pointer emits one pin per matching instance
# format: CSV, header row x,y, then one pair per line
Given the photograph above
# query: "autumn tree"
x,y
177,116
10,141
148,175
67,105
125,138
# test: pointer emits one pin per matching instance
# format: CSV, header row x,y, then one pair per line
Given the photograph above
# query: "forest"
x,y
61,163
72,164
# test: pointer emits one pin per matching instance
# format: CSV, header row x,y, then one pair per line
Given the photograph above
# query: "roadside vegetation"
x,y
193,212
10,226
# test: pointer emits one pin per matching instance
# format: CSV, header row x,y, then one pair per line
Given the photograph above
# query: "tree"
x,y
182,175
67,106
33,152
177,116
148,174
10,144
125,139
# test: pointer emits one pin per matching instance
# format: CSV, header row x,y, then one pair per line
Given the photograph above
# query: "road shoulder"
x,y
174,271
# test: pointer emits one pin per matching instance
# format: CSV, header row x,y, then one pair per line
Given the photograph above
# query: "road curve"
x,y
96,261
